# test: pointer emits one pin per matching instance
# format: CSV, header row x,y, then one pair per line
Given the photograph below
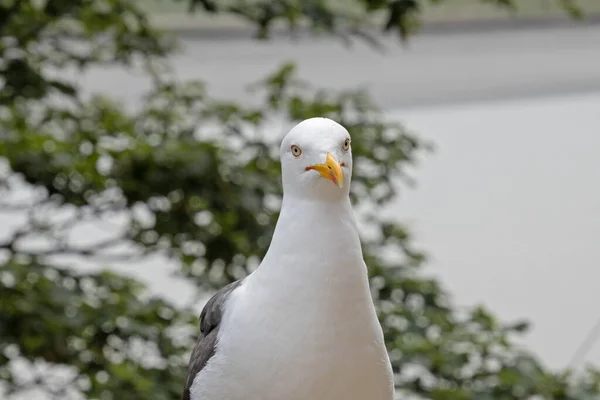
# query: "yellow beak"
x,y
330,170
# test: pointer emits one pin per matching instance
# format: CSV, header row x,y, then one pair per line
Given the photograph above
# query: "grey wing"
x,y
210,319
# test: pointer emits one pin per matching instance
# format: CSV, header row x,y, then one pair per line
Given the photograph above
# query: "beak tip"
x,y
330,170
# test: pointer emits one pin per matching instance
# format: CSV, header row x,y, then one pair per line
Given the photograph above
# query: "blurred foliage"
x,y
344,17
195,179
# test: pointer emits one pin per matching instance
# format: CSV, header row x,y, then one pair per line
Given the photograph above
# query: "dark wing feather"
x,y
210,318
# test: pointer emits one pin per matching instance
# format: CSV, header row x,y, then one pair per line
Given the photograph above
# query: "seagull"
x,y
303,325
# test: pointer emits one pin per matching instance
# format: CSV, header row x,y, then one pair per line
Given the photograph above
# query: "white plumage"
x,y
303,325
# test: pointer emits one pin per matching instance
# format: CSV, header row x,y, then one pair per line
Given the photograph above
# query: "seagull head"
x,y
316,160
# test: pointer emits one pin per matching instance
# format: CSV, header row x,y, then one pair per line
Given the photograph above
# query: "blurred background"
x,y
139,173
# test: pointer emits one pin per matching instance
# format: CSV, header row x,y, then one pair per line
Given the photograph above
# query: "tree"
x,y
208,202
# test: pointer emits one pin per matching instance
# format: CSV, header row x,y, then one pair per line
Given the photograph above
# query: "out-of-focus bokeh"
x,y
139,172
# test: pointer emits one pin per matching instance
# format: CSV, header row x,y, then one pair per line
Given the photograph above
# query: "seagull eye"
x,y
296,151
346,145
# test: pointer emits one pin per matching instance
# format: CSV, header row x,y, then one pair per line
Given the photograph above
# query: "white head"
x,y
316,160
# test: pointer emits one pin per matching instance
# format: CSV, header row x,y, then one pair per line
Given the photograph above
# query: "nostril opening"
x,y
342,164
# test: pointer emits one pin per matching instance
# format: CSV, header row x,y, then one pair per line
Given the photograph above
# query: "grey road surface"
x,y
508,209
429,70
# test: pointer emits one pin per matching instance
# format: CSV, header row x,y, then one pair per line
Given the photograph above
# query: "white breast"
x,y
303,326
298,343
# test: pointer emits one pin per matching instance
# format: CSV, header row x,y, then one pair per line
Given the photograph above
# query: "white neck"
x,y
315,235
